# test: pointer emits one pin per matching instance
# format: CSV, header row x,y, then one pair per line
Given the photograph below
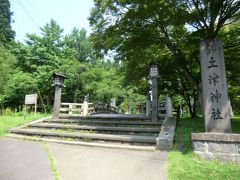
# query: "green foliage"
x,y
190,166
103,81
79,42
163,32
8,122
236,124
230,35
7,61
132,100
46,54
6,32
183,132
8,112
18,86
136,33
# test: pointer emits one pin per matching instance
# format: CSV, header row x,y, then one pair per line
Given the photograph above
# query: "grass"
x,y
8,122
52,162
183,164
236,124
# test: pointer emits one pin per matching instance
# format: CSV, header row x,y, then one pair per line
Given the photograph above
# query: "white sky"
x,y
30,15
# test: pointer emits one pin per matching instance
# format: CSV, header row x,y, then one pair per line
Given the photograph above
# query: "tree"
x,y
230,36
79,41
103,81
52,52
7,62
208,17
18,86
140,32
6,32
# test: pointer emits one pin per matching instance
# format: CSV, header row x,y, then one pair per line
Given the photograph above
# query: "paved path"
x,y
26,160
23,160
85,163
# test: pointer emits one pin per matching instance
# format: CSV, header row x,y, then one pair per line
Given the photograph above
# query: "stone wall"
x,y
164,141
221,146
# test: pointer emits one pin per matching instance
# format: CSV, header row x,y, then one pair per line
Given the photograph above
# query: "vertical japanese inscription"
x,y
214,87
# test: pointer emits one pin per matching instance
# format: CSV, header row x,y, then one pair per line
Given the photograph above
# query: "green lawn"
x,y
184,164
8,122
236,124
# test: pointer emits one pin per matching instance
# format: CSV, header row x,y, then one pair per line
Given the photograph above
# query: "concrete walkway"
x,y
26,160
23,160
91,163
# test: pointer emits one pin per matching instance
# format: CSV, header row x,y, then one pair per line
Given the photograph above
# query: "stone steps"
x,y
95,128
114,129
114,118
87,136
105,122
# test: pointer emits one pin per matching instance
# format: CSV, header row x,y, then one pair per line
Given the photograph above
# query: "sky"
x,y
30,15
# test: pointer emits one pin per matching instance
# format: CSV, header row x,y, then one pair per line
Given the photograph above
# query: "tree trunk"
x,y
75,94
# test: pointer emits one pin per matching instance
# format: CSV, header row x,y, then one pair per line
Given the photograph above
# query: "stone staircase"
x,y
120,131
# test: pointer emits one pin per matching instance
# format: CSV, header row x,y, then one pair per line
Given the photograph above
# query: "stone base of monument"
x,y
220,146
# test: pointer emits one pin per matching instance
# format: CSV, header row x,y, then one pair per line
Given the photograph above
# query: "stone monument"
x,y
214,87
217,142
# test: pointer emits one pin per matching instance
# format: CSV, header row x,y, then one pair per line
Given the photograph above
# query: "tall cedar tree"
x,y
6,32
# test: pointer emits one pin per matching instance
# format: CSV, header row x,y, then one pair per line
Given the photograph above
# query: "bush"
x,y
8,112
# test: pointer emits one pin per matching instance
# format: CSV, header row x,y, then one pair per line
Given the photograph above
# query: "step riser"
x,y
98,129
107,123
87,137
101,132
105,118
92,144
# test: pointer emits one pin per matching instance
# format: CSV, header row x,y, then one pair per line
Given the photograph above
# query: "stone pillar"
x,y
154,99
113,102
85,108
169,107
214,87
148,102
58,82
57,102
147,108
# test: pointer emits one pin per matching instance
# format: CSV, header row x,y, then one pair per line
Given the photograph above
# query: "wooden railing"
x,y
91,108
84,109
71,109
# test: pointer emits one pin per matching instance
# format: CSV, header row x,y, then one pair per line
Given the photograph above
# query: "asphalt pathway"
x,y
27,160
23,160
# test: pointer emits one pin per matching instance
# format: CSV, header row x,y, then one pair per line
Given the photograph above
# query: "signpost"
x,y
31,99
